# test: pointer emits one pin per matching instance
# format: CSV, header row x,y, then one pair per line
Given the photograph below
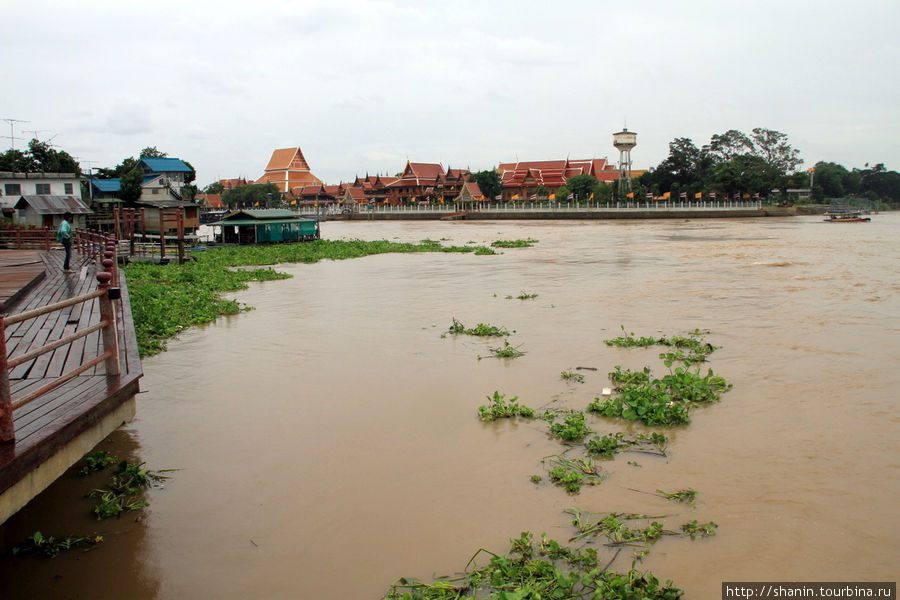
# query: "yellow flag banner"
x,y
553,196
630,195
698,195
667,195
515,197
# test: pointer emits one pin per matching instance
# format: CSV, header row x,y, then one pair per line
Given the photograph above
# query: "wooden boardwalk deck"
x,y
49,423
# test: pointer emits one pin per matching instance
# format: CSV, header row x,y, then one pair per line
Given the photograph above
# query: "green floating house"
x,y
265,226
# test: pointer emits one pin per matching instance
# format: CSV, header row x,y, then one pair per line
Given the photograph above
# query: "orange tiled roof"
x,y
288,170
215,201
553,173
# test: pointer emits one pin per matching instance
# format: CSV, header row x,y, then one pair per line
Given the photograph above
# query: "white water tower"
x,y
624,141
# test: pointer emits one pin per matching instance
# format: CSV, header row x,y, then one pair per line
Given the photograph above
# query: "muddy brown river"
x,y
327,442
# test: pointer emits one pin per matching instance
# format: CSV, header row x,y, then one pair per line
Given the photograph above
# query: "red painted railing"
x,y
106,293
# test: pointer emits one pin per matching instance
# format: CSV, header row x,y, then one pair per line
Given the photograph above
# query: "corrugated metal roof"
x,y
166,165
54,205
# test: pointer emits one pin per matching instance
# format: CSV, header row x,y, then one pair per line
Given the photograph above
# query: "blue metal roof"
x,y
166,165
107,185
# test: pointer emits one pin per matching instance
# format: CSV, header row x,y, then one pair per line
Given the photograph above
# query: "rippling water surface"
x,y
327,442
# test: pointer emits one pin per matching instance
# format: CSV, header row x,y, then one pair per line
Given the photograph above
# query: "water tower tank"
x,y
625,140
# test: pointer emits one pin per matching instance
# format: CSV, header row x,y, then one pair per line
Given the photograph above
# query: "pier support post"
x,y
110,332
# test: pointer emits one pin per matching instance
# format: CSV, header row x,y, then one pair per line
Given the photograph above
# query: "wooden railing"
x,y
106,293
21,238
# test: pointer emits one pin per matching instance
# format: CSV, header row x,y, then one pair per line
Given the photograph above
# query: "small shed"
x,y
470,192
272,225
47,211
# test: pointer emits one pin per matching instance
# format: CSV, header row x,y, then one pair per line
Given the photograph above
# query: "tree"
x,y
881,182
253,195
488,182
214,188
40,157
602,192
542,191
772,146
17,161
126,166
685,165
152,152
742,174
130,185
581,186
726,146
562,194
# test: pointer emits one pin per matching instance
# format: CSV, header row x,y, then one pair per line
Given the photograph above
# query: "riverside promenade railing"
x,y
106,293
545,207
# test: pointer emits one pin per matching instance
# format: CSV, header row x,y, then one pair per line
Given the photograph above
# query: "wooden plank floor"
x,y
48,423
19,271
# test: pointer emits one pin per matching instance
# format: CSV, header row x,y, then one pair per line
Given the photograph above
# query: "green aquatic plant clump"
x,y
50,547
165,299
663,401
500,408
689,349
538,569
481,330
527,243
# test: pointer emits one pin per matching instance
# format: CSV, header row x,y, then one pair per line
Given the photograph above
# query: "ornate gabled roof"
x,y
287,158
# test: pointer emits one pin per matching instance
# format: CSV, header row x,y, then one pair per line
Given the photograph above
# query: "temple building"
x,y
289,171
425,182
520,180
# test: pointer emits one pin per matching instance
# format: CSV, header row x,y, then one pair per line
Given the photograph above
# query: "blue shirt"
x,y
64,234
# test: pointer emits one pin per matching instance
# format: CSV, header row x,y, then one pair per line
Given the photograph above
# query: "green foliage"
x,y
572,376
694,530
581,186
688,496
121,493
488,182
130,185
40,157
613,443
572,473
663,401
256,195
50,546
500,408
572,428
505,351
527,243
97,461
481,330
523,295
688,349
533,570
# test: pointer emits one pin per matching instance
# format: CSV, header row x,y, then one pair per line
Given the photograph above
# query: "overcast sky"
x,y
361,86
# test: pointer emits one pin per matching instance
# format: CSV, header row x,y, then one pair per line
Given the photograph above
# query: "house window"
x,y
42,189
68,188
12,189
155,191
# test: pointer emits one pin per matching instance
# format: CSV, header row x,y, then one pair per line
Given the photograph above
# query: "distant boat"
x,y
846,216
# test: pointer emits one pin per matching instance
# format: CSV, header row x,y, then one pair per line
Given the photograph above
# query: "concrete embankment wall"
x,y
772,211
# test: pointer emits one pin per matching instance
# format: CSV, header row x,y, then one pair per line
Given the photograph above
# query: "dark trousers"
x,y
68,247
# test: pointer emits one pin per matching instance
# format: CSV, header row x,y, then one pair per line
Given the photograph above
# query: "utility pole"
x,y
12,136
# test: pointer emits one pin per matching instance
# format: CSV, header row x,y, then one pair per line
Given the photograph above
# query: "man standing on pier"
x,y
64,236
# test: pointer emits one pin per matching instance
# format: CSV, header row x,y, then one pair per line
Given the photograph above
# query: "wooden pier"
x,y
69,364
